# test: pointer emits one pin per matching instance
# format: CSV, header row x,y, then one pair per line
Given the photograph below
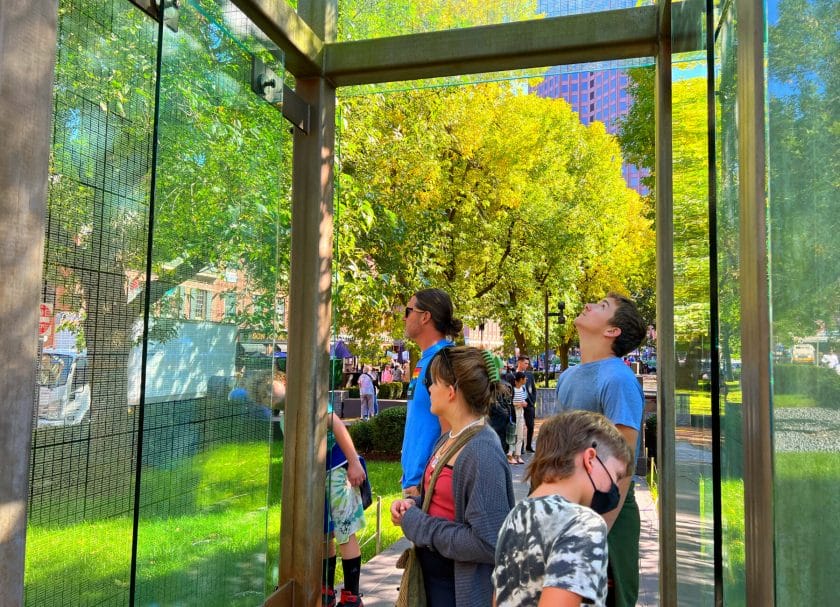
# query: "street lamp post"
x,y
561,319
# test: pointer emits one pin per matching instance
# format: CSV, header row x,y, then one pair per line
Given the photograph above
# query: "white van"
x,y
63,388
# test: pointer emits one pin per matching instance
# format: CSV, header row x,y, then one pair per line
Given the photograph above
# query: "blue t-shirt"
x,y
422,427
606,386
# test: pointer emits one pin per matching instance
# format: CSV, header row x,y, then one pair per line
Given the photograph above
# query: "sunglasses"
x,y
410,310
428,381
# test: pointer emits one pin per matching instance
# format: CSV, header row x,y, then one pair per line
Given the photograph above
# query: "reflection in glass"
x,y
732,474
83,452
212,427
695,489
804,210
208,500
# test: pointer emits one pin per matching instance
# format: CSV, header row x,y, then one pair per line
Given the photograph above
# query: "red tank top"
x,y
443,501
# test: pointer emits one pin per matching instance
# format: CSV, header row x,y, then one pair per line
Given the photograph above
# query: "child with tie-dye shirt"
x,y
552,547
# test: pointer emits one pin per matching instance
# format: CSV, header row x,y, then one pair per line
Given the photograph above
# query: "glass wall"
x,y
157,441
729,303
692,331
803,157
85,438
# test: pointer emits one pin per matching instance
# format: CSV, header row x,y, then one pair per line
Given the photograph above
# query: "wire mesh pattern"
x,y
84,439
131,403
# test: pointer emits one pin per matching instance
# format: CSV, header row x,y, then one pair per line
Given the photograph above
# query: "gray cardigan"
x,y
483,491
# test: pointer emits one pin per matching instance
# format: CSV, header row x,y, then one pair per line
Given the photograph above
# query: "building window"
x,y
198,304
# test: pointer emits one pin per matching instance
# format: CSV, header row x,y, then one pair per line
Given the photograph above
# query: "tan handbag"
x,y
412,591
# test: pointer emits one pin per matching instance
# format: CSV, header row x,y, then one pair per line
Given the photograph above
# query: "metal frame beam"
x,y
277,19
665,345
619,34
602,36
759,530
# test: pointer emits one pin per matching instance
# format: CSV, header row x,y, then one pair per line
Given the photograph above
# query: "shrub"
x,y
353,392
381,435
362,435
391,390
388,430
819,383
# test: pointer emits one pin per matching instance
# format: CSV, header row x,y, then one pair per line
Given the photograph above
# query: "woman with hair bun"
x,y
473,492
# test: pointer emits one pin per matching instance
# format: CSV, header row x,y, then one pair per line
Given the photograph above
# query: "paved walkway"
x,y
381,578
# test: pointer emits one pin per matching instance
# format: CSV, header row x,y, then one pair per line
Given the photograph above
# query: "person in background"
x,y
552,548
501,412
519,405
523,365
456,540
429,323
608,330
367,393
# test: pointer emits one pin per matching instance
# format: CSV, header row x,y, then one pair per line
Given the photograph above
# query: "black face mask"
x,y
604,501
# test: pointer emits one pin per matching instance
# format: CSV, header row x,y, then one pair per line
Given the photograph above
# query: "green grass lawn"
x,y
207,535
700,401
807,497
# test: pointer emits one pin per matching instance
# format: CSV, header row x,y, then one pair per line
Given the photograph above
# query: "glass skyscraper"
x,y
595,94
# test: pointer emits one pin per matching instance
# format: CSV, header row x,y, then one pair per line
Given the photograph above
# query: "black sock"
x,y
329,572
352,569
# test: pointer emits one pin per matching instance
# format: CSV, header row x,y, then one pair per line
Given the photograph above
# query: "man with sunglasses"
x,y
428,323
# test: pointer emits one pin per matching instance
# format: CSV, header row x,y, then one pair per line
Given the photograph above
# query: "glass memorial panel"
x,y
802,115
215,351
84,443
692,330
728,259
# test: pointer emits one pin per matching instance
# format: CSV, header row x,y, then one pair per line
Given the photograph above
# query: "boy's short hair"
x,y
565,435
519,375
630,321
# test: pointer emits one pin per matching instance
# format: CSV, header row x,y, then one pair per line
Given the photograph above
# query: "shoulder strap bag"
x,y
412,592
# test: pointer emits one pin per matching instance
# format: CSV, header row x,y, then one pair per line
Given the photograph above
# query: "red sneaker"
x,y
327,597
348,599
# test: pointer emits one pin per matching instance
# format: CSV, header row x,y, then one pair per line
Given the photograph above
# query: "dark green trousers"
x,y
623,542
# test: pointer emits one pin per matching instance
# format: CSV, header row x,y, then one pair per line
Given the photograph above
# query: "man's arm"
x,y
532,388
355,472
631,436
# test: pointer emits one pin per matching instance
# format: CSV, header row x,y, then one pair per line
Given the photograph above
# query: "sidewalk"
x,y
381,578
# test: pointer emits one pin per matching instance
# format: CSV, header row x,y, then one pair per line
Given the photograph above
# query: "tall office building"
x,y
595,94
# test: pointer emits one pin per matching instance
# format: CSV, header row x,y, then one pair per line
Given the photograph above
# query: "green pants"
x,y
623,543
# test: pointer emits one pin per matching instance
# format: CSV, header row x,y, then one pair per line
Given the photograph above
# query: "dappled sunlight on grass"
x,y
208,531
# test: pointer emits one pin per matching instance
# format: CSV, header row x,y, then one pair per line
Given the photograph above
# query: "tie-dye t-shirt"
x,y
550,542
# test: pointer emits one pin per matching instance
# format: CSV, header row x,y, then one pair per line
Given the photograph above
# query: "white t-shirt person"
x,y
550,542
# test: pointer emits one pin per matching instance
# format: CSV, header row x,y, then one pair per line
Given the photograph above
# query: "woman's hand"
x,y
398,509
